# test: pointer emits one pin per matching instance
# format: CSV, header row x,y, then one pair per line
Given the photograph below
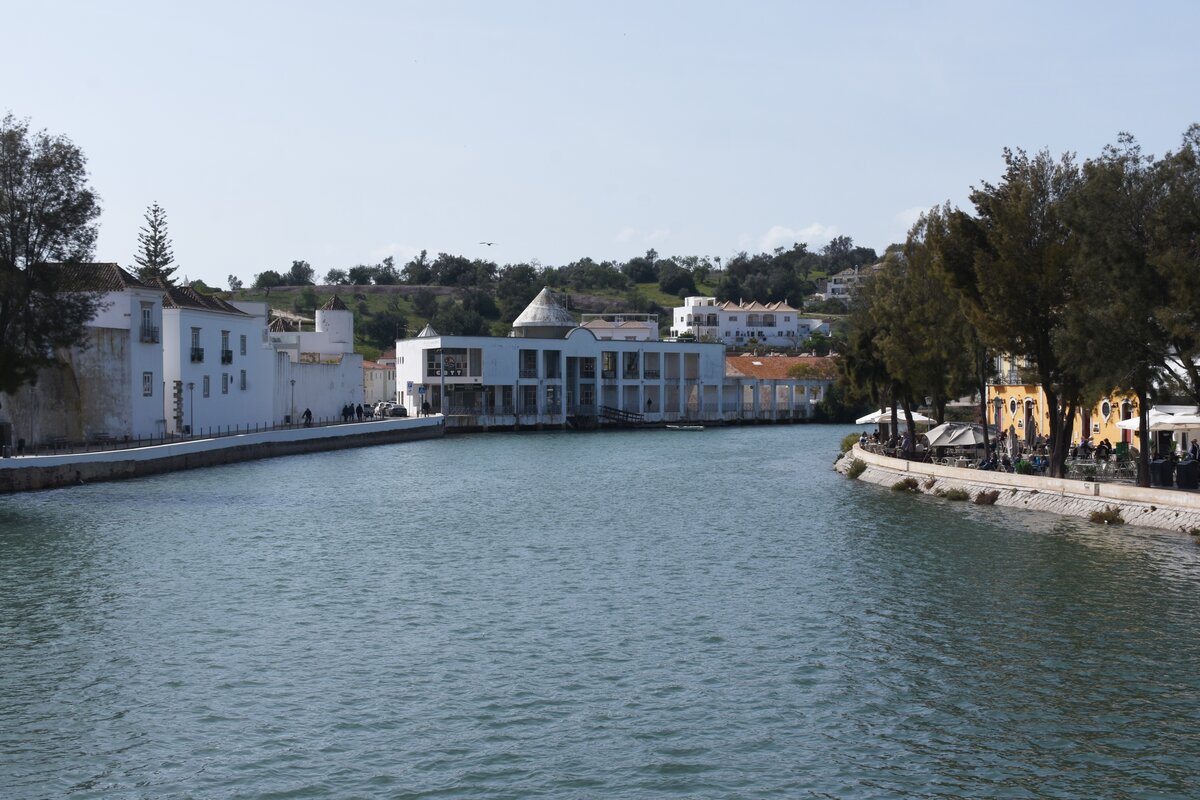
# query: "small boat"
x,y
685,427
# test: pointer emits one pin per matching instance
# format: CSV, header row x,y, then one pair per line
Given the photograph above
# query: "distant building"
x,y
843,285
770,324
553,370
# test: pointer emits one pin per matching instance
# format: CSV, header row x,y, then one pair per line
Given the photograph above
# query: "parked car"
x,y
398,411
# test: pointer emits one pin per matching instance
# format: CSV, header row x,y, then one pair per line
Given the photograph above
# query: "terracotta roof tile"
x,y
95,277
771,367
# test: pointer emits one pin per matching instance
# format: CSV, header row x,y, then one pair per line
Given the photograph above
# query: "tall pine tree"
x,y
154,257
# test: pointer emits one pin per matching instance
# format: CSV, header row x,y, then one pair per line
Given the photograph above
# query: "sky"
x,y
341,133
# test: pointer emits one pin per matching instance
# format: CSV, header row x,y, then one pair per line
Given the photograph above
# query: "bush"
x,y
1109,516
1023,467
987,498
857,467
849,441
956,494
906,485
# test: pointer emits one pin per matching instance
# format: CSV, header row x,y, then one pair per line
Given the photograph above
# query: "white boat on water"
x,y
685,427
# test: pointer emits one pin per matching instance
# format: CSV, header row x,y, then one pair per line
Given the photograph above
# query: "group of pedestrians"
x,y
352,412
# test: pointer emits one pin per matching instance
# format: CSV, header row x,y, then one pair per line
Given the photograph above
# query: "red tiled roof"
x,y
95,277
771,367
187,297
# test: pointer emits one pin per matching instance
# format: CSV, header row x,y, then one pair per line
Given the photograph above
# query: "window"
x,y
147,384
195,337
608,364
224,383
242,385
243,342
224,340
528,364
206,386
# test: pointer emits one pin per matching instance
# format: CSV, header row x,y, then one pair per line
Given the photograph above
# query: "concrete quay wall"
x,y
1146,507
30,473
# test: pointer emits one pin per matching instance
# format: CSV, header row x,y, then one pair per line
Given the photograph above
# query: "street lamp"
x,y
191,409
292,412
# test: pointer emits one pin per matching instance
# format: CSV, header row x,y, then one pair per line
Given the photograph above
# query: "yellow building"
x,y
1014,403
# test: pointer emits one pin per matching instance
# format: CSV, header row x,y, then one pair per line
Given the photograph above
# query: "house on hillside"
x,y
770,324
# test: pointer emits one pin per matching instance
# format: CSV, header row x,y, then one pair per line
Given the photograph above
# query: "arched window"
x,y
1105,409
1012,406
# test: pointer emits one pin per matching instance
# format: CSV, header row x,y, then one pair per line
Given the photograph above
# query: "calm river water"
x,y
616,615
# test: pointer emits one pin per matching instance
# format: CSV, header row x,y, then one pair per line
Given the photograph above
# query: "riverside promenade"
x,y
1170,509
27,473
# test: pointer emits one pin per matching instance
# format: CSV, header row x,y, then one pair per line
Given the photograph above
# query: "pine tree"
x,y
154,258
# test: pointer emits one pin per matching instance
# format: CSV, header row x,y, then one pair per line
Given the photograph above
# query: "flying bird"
x,y
489,244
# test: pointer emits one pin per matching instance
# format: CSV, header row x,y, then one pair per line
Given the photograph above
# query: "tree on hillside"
x,y
47,214
384,328
301,274
417,272
516,286
268,279
154,256
336,277
235,283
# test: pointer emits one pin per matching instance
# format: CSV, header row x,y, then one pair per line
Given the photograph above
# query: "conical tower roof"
x,y
334,304
545,311
427,332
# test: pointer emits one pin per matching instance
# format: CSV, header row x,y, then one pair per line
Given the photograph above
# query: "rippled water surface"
x,y
618,615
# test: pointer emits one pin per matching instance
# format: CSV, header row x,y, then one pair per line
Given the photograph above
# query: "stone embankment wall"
x,y
48,472
1152,508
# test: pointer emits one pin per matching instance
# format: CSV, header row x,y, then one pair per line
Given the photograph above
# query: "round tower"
x,y
337,321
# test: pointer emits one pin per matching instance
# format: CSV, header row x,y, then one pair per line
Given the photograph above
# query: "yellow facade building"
x,y
1015,403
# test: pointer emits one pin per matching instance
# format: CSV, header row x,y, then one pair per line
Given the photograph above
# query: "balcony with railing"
x,y
226,356
528,372
197,355
149,334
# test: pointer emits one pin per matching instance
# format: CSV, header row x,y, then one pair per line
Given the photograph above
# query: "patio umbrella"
x,y
955,434
885,415
1159,421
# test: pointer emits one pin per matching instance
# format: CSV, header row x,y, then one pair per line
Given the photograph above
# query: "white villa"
x,y
770,324
554,371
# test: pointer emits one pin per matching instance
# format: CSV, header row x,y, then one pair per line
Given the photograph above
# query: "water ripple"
x,y
581,616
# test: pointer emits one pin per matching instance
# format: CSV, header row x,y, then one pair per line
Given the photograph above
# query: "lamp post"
x,y
292,412
191,409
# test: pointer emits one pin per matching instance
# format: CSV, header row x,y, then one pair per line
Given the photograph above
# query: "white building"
x,y
771,324
552,371
318,370
217,363
111,389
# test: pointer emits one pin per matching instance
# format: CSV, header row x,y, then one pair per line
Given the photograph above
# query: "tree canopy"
x,y
48,214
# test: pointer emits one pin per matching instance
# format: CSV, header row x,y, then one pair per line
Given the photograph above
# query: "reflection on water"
x,y
617,615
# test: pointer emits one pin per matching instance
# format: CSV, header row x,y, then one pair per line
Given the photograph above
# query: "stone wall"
x,y
1152,508
49,472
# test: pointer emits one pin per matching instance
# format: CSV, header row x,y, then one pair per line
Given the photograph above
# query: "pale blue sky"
x,y
341,133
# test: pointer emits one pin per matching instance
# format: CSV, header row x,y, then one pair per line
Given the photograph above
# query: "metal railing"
x,y
149,334
98,442
197,355
226,356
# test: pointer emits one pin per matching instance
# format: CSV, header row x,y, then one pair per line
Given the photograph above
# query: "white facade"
x,y
217,364
318,370
109,390
379,382
771,324
576,377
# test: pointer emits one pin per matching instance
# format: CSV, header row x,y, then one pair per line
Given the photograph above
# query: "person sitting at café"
x,y
1103,450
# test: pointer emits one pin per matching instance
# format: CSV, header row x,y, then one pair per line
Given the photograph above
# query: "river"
x,y
621,615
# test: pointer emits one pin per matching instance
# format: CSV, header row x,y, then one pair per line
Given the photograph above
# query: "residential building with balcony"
x,y
217,364
741,324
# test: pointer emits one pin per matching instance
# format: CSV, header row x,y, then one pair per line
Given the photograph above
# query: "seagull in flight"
x,y
489,244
